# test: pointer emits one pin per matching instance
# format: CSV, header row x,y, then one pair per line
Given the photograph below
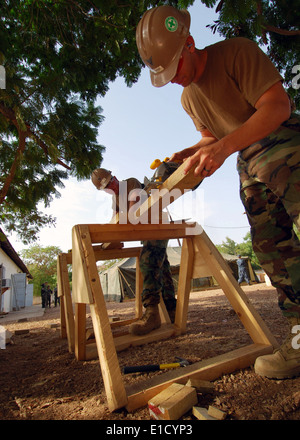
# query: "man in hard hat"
x,y
235,97
153,261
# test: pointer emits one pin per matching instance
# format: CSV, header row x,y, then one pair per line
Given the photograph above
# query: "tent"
x,y
118,281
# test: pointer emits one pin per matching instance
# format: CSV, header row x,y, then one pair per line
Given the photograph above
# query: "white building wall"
x,y
10,268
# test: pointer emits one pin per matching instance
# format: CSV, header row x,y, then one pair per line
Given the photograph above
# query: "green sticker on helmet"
x,y
171,24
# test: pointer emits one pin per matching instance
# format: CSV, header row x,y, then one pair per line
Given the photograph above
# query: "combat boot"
x,y
150,321
172,314
284,363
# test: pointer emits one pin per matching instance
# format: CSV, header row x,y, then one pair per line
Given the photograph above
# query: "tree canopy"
x,y
42,264
59,56
273,24
245,249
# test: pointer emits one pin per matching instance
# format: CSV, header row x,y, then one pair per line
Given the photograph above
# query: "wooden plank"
x,y
165,331
210,369
173,187
138,289
63,329
69,257
172,402
63,287
184,284
70,324
60,291
125,341
108,254
110,368
221,271
202,413
81,289
128,232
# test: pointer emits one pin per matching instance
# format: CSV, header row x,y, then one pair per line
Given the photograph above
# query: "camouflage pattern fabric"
x,y
270,191
156,271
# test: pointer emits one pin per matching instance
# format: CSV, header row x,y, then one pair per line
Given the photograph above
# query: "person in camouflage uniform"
x,y
235,97
270,191
153,261
157,277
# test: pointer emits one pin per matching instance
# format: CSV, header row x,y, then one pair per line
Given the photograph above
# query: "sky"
x,y
143,123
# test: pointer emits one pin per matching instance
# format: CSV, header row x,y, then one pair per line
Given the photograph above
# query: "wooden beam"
x,y
63,328
210,369
172,402
80,331
128,232
198,254
64,292
184,284
138,289
110,368
125,341
174,186
108,254
81,288
221,271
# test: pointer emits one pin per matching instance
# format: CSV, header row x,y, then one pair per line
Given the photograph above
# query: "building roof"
x,y
6,246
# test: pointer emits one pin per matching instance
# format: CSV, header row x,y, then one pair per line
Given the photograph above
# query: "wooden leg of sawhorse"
x,y
80,331
109,364
64,293
63,328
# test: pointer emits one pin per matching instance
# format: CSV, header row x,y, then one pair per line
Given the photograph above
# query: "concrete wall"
x,y
10,268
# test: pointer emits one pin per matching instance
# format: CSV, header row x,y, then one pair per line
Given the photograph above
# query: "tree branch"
x,y
10,115
276,30
13,168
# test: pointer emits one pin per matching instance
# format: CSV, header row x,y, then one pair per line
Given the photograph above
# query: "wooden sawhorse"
x,y
199,258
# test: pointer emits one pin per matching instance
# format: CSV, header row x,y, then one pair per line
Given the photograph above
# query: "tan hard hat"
x,y
160,38
101,178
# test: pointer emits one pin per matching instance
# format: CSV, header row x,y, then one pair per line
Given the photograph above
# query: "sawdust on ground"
x,y
41,380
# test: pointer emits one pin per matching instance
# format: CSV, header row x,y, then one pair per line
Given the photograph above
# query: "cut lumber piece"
x,y
138,232
216,413
172,188
202,386
172,402
202,413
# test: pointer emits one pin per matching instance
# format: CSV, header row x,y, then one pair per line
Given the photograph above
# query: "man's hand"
x,y
192,154
209,159
272,108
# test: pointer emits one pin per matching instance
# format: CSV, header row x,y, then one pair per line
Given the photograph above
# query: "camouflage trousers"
x,y
156,271
270,191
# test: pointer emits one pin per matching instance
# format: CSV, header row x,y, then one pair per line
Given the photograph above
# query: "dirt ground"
x,y
41,380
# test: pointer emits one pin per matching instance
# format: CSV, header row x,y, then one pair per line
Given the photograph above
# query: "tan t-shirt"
x,y
236,74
